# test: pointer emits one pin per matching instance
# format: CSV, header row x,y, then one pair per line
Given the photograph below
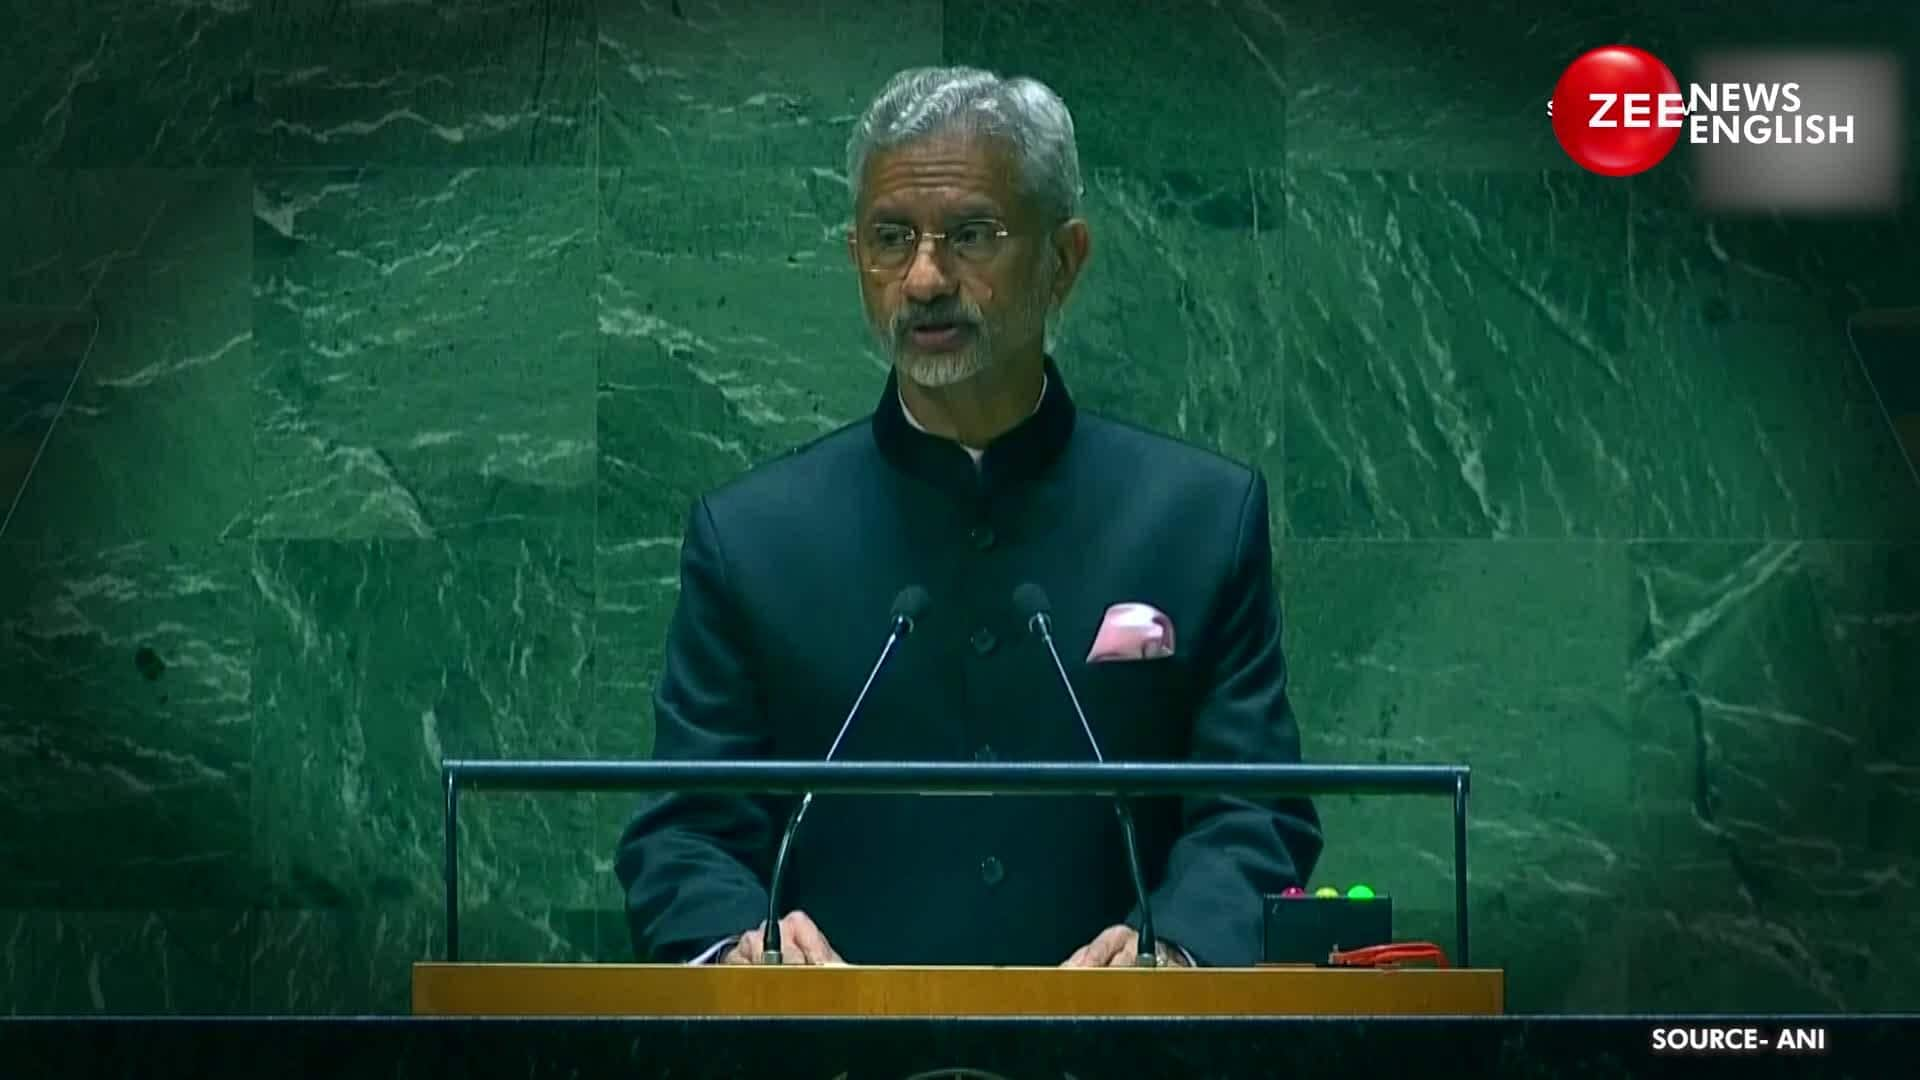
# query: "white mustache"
x,y
957,320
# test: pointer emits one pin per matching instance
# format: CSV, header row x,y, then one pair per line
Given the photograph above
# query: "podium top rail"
x,y
956,778
1111,779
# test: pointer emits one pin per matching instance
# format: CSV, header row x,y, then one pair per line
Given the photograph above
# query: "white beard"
x,y
937,370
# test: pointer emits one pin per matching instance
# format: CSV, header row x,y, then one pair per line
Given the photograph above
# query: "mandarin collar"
x,y
1015,458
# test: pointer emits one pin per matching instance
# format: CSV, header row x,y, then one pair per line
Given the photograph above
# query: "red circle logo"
x,y
1609,112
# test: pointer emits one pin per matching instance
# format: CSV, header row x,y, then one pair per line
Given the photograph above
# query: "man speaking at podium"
x,y
974,479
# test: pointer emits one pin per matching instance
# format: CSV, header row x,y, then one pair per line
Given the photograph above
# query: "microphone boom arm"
x,y
770,941
1148,954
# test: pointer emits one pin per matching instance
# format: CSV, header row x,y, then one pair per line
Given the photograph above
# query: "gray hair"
x,y
922,102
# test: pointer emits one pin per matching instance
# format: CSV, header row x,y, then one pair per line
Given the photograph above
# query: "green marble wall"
x,y
358,362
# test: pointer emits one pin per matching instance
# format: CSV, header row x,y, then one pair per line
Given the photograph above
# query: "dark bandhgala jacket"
x,y
788,576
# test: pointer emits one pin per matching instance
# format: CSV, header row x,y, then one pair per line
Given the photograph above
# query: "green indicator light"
x,y
1326,892
1359,892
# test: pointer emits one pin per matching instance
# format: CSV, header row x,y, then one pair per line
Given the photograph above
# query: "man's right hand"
x,y
801,942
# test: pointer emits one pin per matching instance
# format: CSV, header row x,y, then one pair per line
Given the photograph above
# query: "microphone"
x,y
909,604
1031,601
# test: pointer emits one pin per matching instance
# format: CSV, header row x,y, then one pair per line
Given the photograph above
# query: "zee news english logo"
x,y
1619,110
1810,131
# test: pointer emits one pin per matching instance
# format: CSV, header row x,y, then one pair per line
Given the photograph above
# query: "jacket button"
x,y
991,871
982,537
984,641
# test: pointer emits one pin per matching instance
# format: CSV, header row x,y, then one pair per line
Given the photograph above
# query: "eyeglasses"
x,y
890,246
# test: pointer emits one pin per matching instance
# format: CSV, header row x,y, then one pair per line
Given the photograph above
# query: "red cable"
x,y
1392,953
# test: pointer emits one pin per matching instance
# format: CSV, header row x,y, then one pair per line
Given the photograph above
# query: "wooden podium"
x,y
654,990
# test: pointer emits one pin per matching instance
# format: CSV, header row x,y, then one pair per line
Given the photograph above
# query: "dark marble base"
x,y
847,1050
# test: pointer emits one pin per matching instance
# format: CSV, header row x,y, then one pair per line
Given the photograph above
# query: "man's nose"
x,y
927,274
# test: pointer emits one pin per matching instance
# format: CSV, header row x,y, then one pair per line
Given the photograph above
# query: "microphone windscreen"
x,y
912,602
1030,600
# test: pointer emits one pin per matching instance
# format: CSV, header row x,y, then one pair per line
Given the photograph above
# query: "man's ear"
x,y
1072,245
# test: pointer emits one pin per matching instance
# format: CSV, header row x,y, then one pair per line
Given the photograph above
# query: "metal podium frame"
x,y
1110,779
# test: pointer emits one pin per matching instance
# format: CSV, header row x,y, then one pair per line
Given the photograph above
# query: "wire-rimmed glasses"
x,y
889,247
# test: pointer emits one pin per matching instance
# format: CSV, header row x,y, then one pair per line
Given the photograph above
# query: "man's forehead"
x,y
953,202
961,173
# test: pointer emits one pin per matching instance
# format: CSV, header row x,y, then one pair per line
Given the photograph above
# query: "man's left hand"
x,y
1119,946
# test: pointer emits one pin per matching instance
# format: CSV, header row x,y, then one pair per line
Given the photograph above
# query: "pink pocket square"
x,y
1132,632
